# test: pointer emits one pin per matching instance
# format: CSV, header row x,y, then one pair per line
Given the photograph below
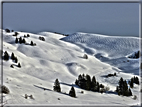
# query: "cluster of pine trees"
x,y
123,89
86,83
57,88
133,80
13,57
136,55
20,40
41,38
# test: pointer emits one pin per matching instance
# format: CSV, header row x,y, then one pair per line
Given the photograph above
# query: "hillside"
x,y
62,57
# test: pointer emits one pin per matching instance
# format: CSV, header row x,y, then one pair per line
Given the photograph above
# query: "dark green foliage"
x,y
85,56
76,82
136,55
16,33
132,83
11,66
110,75
28,35
85,82
7,30
72,92
20,40
102,86
23,41
19,65
16,40
122,89
5,90
136,80
130,92
25,36
114,74
88,82
42,38
12,56
16,60
56,86
12,30
6,56
32,43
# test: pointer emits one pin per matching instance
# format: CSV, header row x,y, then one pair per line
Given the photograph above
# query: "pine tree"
x,y
23,41
88,82
137,80
76,82
19,65
93,83
130,92
12,56
72,92
57,86
28,35
20,40
6,56
16,60
132,83
32,43
16,40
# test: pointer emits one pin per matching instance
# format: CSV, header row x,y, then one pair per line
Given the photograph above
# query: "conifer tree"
x,y
28,35
130,92
32,43
19,65
23,41
20,40
16,40
93,83
57,86
16,60
12,56
88,82
132,83
6,56
72,92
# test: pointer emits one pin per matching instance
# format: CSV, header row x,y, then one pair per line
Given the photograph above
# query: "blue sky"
x,y
120,19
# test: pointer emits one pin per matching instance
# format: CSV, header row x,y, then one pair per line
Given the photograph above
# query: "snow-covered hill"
x,y
62,57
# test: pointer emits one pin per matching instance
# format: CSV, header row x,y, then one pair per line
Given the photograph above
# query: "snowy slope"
x,y
55,58
113,50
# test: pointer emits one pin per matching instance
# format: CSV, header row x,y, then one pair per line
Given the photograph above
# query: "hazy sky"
x,y
101,18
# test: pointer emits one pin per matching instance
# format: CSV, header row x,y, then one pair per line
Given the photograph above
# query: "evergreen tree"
x,y
7,30
130,92
20,40
136,80
88,82
57,86
72,92
6,56
132,83
93,83
23,41
16,60
98,87
76,82
19,65
12,56
32,43
16,40
28,35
